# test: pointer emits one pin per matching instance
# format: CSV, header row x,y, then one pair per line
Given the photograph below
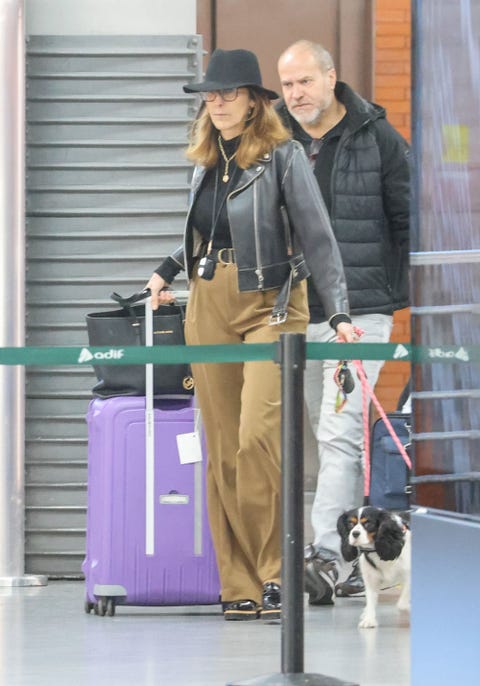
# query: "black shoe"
x,y
272,602
321,575
353,584
240,611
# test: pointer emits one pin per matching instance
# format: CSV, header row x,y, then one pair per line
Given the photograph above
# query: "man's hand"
x,y
159,296
346,333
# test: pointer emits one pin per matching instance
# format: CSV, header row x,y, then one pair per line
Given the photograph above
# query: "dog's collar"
x,y
369,551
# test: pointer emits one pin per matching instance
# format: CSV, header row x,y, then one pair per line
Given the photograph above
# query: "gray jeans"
x,y
339,435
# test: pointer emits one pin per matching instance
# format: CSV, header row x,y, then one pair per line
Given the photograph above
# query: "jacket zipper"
x,y
258,270
341,145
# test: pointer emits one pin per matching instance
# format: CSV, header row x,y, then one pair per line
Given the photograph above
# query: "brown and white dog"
x,y
382,542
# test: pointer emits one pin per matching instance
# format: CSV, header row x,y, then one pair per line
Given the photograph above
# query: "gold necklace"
x,y
226,159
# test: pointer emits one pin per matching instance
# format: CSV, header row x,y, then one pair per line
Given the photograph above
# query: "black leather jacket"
x,y
277,216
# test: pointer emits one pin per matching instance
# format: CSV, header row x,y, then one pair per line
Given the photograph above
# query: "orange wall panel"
x,y
392,90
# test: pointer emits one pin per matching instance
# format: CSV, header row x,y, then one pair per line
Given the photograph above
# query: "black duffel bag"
x,y
126,327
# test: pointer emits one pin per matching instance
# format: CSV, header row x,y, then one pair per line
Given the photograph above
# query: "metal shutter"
x,y
107,189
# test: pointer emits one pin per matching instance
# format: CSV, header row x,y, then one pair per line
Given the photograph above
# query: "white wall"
x,y
123,17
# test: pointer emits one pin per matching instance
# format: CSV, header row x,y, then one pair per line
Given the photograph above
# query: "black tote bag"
x,y
126,327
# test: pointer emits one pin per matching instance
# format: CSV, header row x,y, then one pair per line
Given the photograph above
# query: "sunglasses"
x,y
227,94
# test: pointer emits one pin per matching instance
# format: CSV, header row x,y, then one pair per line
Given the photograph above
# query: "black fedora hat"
x,y
231,69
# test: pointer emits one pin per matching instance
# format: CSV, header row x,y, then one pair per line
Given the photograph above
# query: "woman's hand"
x,y
159,296
346,333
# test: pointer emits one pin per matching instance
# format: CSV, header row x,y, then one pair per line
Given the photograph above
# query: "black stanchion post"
x,y
292,363
292,360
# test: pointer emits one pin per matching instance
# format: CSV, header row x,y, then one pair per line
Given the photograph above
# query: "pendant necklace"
x,y
226,159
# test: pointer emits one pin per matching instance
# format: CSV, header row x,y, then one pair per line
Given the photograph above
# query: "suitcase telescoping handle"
x,y
149,434
127,303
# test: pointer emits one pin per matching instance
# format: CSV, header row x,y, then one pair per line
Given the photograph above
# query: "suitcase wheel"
x,y
111,607
88,606
105,605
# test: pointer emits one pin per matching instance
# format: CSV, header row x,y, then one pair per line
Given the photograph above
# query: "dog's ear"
x,y
349,552
390,538
342,525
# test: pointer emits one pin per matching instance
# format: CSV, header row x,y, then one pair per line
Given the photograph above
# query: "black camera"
x,y
206,268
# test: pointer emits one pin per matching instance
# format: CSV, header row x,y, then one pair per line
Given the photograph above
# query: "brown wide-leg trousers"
x,y
240,405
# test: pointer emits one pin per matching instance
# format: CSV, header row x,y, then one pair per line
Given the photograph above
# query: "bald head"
x,y
308,78
306,48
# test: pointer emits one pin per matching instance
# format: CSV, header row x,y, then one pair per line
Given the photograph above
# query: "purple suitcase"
x,y
148,539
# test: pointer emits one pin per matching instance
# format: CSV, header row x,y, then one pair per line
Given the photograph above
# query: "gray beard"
x,y
312,120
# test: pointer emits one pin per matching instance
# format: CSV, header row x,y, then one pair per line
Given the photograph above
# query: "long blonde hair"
x,y
263,131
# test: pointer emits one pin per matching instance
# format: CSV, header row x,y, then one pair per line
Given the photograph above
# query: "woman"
x,y
255,207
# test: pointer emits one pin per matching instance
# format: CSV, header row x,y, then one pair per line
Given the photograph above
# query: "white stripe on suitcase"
x,y
149,439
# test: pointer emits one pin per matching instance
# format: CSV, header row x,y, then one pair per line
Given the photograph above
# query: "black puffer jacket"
x,y
370,197
278,223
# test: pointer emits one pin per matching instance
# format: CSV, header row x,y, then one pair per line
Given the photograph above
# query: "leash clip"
x,y
344,380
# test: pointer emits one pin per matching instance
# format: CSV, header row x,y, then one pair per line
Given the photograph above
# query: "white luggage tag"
x,y
189,444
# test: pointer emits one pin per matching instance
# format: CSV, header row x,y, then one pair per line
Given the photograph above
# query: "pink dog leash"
x,y
368,390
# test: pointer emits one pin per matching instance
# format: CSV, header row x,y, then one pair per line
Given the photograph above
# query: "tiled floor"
x,y
47,639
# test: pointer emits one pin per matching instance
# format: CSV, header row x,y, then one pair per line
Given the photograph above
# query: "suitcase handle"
x,y
131,299
143,295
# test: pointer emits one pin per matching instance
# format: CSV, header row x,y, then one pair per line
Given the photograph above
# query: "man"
x,y
361,165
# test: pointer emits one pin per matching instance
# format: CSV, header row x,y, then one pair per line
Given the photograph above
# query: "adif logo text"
x,y
87,356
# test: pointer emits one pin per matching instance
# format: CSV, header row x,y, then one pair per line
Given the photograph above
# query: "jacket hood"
x,y
358,109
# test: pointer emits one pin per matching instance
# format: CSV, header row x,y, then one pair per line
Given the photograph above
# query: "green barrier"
x,y
403,352
174,354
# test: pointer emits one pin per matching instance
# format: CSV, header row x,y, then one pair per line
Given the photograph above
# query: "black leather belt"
x,y
223,255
